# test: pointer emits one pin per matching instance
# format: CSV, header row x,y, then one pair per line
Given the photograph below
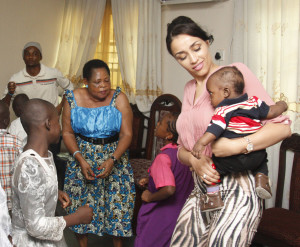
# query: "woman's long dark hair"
x,y
185,25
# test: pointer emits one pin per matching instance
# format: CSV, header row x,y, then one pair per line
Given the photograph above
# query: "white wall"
x,y
22,21
214,17
40,20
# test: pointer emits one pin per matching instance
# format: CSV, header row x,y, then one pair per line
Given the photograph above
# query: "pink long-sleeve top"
x,y
194,118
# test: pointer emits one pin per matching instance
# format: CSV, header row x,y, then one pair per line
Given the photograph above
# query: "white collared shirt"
x,y
16,128
44,85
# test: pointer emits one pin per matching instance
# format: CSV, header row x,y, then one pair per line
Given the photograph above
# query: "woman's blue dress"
x,y
111,198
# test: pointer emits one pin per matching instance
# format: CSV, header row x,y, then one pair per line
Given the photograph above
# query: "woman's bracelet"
x,y
76,153
114,159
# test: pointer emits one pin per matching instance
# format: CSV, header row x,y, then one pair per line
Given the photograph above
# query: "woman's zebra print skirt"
x,y
234,225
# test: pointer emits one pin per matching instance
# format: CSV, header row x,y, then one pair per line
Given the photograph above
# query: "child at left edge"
x,y
5,221
169,185
10,149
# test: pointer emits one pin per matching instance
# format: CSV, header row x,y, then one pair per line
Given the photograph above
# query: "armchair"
x,y
281,227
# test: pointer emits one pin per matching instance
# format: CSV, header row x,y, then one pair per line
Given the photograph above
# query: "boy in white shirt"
x,y
35,188
5,222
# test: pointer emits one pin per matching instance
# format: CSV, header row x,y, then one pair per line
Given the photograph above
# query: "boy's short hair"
x,y
232,75
93,64
19,102
4,115
35,111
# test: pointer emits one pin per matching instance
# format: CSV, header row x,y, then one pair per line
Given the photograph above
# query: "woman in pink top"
x,y
236,223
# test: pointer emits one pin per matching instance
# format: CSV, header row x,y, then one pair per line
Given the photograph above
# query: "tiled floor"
x,y
95,241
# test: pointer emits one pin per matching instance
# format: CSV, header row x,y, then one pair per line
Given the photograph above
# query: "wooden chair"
x,y
142,156
162,104
281,227
139,129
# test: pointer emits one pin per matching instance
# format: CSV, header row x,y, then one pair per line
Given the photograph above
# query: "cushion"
x,y
140,169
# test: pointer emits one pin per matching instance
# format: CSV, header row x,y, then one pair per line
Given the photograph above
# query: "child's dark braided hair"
x,y
172,126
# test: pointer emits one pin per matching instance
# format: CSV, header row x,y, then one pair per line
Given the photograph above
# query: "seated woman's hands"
x,y
88,173
64,199
107,167
87,170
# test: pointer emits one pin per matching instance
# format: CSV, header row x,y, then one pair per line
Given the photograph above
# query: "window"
x,y
106,49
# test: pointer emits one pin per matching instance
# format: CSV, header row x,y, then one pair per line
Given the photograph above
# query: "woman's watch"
x,y
249,146
114,159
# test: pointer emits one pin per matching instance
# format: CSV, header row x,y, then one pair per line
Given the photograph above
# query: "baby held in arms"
x,y
235,116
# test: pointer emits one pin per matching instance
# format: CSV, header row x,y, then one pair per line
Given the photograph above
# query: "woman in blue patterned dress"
x,y
97,130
